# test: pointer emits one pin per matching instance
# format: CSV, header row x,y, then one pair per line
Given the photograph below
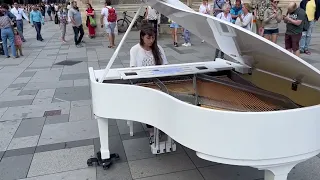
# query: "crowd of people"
x,y
259,16
263,17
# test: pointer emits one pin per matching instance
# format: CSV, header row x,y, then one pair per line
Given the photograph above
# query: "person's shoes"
x,y
175,44
23,40
8,57
202,41
307,52
79,46
186,44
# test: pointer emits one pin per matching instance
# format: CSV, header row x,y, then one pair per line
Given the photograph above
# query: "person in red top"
x,y
90,12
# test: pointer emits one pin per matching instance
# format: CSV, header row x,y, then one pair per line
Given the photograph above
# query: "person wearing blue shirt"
x,y
236,10
36,20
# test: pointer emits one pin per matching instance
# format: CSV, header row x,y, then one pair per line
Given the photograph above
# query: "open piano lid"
x,y
242,45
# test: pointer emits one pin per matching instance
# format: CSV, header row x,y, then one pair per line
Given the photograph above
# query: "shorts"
x,y
110,27
271,31
174,25
292,41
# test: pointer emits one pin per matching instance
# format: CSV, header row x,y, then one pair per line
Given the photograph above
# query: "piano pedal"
x,y
105,163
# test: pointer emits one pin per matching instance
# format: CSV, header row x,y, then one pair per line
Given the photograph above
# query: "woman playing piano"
x,y
147,52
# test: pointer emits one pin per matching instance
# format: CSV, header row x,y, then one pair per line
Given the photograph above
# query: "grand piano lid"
x,y
240,44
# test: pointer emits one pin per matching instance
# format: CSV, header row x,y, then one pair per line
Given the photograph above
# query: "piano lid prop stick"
x,y
115,54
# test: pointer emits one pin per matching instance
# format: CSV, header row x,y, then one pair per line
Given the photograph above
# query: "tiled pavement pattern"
x,y
47,130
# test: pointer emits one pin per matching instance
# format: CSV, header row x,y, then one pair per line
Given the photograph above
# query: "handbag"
x,y
93,22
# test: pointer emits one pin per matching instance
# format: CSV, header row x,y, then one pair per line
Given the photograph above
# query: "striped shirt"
x,y
5,22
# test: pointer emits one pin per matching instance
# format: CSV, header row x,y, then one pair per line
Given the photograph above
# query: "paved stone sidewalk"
x,y
47,130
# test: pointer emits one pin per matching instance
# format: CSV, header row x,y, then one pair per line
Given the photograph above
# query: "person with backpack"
x,y
295,22
76,21
109,21
312,8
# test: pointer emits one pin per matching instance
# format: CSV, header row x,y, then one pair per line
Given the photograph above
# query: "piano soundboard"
x,y
214,85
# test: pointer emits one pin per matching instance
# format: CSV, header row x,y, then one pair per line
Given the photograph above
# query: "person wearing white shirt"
x,y
19,13
108,19
225,16
147,52
245,20
204,9
152,16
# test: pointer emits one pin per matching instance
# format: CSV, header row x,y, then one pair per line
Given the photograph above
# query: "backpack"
x,y
112,16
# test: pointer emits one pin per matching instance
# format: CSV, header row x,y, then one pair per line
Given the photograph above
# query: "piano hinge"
x,y
294,85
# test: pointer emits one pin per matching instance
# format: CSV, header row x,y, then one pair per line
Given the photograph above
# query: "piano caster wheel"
x,y
105,163
90,162
158,151
170,149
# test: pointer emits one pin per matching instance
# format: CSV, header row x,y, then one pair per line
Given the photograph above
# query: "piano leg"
x,y
278,172
103,158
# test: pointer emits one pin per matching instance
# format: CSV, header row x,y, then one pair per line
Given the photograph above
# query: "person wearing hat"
x,y
272,17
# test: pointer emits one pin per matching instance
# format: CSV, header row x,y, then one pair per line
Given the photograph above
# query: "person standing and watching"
x,y
36,19
294,20
152,17
6,12
108,19
76,21
7,34
236,10
312,8
259,6
225,16
19,14
272,17
204,9
217,6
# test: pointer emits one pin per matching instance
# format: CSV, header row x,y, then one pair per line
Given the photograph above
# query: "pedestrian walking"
x,y
63,16
109,21
36,20
19,14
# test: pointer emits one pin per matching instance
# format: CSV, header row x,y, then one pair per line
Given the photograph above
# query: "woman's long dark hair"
x,y
148,29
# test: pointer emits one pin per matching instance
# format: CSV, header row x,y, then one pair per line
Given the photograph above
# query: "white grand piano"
x,y
260,109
